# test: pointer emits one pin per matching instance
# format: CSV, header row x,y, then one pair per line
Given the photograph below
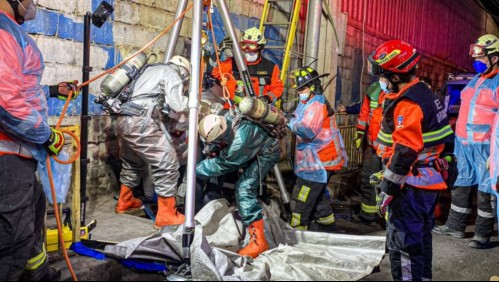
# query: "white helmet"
x,y
182,62
185,67
211,127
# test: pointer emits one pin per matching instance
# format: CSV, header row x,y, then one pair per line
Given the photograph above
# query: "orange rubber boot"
x,y
257,244
167,213
127,202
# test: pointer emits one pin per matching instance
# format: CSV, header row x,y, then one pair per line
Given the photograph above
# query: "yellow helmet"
x,y
485,45
254,35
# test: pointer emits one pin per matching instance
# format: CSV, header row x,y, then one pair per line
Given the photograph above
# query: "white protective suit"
x,y
151,127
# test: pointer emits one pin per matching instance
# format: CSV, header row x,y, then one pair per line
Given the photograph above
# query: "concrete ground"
x,y
453,260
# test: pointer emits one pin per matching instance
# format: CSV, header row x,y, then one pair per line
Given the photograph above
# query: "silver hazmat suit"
x,y
148,128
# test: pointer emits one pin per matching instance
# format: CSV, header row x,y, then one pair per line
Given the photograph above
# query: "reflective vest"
x,y
264,75
479,106
436,128
419,171
371,113
319,144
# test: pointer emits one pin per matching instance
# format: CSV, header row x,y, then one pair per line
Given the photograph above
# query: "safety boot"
x,y
444,230
360,218
479,242
167,213
258,243
127,202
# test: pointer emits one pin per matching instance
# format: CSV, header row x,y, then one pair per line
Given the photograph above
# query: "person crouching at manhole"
x,y
319,152
239,143
146,125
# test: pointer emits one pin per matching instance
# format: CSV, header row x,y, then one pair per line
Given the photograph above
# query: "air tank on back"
x,y
261,111
115,82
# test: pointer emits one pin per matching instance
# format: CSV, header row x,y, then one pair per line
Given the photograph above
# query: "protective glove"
x,y
225,48
61,90
359,136
382,202
376,178
266,99
55,142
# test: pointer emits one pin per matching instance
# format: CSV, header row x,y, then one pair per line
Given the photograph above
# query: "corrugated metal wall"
x,y
442,28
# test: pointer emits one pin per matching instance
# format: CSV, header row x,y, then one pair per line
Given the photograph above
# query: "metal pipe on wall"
x,y
313,32
173,38
188,233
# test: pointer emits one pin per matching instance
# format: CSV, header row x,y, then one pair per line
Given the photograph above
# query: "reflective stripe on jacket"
x,y
23,104
371,113
414,129
479,105
265,77
319,145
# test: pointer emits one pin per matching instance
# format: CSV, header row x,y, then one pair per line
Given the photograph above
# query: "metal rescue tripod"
x,y
188,232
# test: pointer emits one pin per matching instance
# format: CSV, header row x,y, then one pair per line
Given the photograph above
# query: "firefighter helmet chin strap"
x,y
15,6
491,64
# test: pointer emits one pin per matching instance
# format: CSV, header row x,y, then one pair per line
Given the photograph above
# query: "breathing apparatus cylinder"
x,y
259,110
115,82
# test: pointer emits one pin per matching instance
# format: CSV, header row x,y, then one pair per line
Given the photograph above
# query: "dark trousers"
x,y
461,205
22,215
310,201
371,163
409,236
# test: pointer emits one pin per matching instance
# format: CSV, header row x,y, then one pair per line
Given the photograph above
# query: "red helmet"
x,y
394,56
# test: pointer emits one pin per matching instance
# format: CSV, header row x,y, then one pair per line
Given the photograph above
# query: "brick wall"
x,y
58,31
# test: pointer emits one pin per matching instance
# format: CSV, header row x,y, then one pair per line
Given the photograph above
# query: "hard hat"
x,y
211,127
185,67
254,35
394,56
306,76
485,45
182,62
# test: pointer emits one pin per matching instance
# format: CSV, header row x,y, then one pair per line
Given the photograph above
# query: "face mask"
x,y
251,57
384,86
304,96
30,11
480,67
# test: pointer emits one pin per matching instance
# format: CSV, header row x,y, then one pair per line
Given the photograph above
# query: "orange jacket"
x,y
319,145
370,117
265,77
417,132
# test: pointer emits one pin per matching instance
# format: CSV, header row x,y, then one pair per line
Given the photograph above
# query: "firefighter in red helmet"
x,y
412,136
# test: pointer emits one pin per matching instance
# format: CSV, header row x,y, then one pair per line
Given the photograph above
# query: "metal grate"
x,y
347,124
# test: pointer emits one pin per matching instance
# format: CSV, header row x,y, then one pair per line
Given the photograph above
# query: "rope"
x,y
223,76
77,140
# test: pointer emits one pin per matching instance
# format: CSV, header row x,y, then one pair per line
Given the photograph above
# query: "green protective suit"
x,y
251,148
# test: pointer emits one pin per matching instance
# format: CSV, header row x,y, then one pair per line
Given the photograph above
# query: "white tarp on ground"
x,y
294,255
